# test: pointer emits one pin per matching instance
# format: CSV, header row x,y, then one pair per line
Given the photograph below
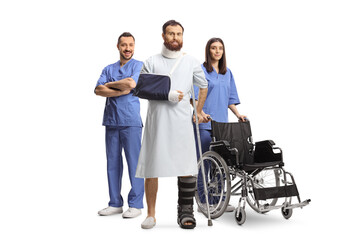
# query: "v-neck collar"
x,y
121,67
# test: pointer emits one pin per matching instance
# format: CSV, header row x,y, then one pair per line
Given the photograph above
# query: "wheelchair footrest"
x,y
302,204
275,192
267,207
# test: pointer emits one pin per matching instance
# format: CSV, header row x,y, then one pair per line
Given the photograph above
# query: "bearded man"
x,y
168,147
123,127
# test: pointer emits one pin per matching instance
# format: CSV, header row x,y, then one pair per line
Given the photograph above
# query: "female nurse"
x,y
222,93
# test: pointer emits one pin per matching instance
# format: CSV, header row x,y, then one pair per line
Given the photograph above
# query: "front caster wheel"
x,y
286,212
241,217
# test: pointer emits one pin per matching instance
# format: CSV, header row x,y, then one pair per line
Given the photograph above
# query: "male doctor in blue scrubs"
x,y
123,127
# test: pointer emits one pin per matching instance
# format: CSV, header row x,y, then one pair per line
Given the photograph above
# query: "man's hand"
x,y
181,95
175,96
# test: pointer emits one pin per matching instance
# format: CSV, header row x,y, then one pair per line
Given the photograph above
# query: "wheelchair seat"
x,y
233,141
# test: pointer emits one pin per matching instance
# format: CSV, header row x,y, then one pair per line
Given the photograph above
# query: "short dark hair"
x,y
222,61
125,34
171,23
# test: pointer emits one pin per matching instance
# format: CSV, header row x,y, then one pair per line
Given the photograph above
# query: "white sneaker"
x,y
131,213
110,211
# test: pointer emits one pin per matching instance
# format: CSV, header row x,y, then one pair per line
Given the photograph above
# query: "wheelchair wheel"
x,y
287,213
218,185
265,178
240,219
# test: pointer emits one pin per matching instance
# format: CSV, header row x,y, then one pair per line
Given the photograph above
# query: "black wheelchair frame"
x,y
259,168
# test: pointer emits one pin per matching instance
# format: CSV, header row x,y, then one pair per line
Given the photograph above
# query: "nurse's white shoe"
x,y
110,211
131,213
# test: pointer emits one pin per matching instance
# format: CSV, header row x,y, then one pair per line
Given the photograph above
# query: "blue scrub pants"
x,y
205,137
129,139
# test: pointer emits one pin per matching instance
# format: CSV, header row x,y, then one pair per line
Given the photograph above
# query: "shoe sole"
x,y
109,214
134,216
148,226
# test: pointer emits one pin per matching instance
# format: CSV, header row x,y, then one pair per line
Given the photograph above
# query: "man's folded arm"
x,y
105,91
123,84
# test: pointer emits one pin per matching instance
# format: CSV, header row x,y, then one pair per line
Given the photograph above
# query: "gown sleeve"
x,y
199,76
147,66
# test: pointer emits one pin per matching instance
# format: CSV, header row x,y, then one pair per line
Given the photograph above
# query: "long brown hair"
x,y
222,61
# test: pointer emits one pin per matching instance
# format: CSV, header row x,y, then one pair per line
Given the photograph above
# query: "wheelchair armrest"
x,y
220,143
277,148
266,152
225,145
270,144
265,143
223,148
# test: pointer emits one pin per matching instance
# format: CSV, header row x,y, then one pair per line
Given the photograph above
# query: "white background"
x,y
295,65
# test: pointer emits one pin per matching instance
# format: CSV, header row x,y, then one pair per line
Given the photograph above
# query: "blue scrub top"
x,y
221,93
124,110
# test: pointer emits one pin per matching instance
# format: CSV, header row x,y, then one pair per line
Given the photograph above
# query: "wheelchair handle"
x,y
246,119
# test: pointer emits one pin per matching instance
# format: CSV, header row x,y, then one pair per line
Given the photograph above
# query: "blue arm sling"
x,y
153,86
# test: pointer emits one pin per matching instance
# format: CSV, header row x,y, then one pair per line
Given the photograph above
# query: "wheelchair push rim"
x,y
218,185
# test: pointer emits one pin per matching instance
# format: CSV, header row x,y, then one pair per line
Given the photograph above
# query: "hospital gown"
x,y
168,146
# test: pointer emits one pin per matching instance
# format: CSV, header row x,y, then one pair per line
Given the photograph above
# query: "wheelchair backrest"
x,y
238,134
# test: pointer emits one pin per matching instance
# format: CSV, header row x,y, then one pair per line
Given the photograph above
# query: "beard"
x,y
169,45
126,58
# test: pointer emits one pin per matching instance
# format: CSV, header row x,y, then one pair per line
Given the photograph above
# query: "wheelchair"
x,y
256,170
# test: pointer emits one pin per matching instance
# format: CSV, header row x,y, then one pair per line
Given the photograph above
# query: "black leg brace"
x,y
186,186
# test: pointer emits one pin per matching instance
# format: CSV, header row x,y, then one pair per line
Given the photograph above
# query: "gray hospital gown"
x,y
168,146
